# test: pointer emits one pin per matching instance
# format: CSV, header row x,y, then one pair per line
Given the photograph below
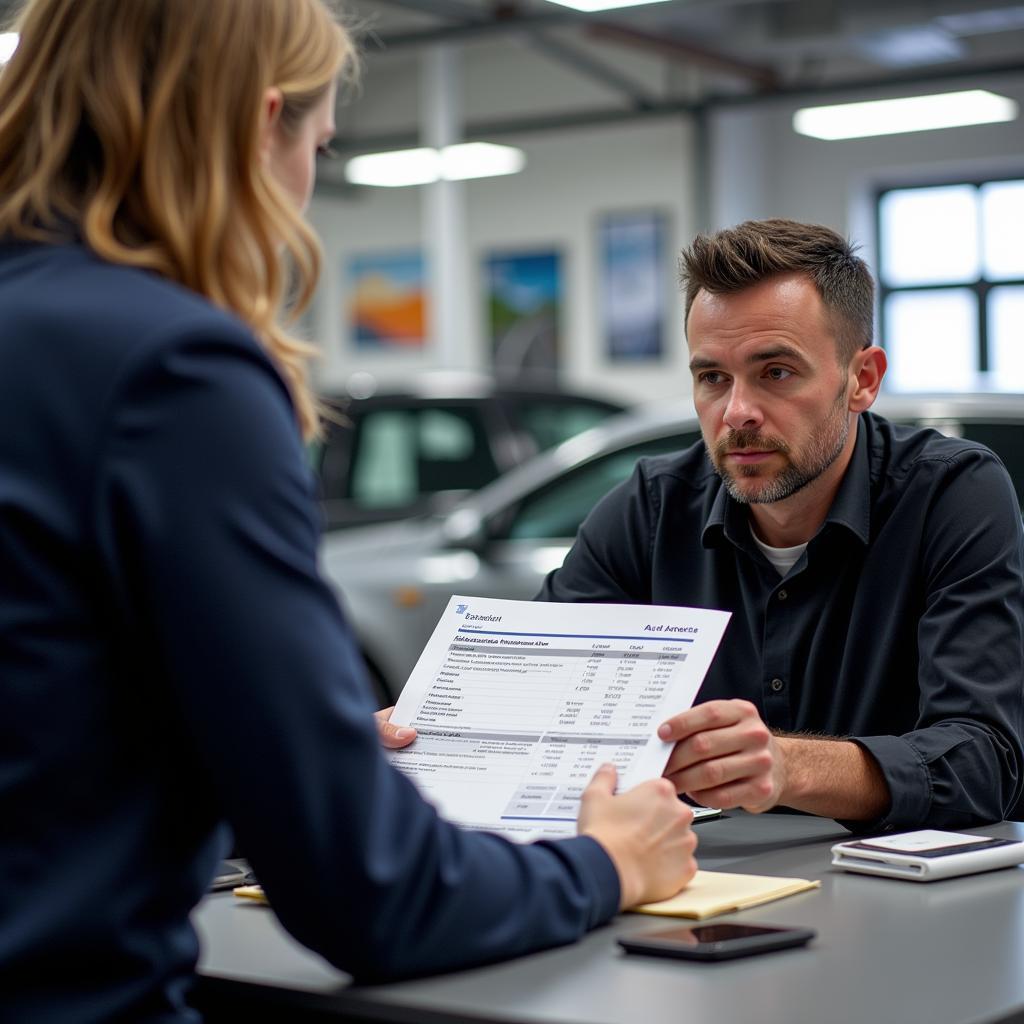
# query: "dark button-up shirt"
x,y
900,627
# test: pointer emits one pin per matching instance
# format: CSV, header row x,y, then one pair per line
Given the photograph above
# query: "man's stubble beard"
x,y
824,448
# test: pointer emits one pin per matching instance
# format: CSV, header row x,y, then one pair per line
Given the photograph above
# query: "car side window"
x,y
551,422
399,455
1007,441
558,509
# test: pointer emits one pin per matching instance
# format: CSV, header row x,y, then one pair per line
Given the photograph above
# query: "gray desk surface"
x,y
946,952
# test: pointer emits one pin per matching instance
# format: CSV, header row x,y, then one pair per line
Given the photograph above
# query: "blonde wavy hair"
x,y
136,126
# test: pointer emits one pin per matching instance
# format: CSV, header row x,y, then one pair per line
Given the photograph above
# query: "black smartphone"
x,y
715,941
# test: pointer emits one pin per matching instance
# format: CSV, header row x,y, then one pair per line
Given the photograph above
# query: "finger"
x,y
712,744
394,736
715,714
723,771
752,794
384,715
738,795
604,781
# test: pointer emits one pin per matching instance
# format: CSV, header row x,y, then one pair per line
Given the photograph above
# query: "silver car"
x,y
394,580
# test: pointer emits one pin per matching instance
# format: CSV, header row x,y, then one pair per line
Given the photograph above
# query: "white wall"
x,y
764,169
758,168
571,178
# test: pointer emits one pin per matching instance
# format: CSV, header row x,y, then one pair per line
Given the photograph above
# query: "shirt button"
x,y
783,595
777,685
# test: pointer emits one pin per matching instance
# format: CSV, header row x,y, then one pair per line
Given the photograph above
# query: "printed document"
x,y
517,703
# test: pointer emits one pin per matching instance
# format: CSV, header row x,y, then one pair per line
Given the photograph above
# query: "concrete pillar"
x,y
450,287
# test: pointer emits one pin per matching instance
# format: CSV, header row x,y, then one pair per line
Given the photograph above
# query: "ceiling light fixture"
x,y
913,114
603,5
480,160
422,166
395,169
8,44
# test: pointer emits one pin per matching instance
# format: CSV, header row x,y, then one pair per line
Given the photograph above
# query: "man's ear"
x,y
867,368
270,112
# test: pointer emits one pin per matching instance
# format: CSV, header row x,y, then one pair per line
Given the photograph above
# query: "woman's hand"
x,y
646,832
393,737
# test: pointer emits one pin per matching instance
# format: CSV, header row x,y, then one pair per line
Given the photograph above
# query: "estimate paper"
x,y
517,703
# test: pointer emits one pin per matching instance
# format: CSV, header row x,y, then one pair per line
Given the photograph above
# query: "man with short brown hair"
x,y
872,668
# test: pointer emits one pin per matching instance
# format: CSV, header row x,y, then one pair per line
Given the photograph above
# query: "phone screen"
x,y
712,933
715,941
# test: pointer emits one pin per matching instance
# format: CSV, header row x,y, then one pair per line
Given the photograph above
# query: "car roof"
x,y
664,419
463,384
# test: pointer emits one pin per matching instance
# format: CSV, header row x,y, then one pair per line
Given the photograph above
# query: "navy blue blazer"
x,y
170,660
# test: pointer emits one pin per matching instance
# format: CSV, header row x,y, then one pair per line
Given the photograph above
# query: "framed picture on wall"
x,y
632,284
388,300
524,310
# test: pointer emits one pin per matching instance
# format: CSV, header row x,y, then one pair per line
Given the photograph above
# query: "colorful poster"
x,y
524,294
388,300
633,285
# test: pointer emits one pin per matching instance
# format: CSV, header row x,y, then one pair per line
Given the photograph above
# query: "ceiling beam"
x,y
593,68
510,20
473,22
480,29
673,108
454,10
681,50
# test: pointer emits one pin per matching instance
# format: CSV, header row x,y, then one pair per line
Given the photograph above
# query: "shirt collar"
x,y
851,508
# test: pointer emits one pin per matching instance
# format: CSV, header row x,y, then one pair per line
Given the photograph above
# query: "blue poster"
x,y
633,285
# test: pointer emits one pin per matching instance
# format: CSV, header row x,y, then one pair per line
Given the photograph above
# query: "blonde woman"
x,y
169,658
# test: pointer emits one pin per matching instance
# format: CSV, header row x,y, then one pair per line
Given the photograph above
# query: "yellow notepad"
x,y
250,892
718,892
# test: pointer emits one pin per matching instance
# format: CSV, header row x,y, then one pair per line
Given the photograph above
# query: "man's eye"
x,y
710,377
324,150
778,373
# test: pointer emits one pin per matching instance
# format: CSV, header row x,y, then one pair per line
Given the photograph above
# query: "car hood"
x,y
398,538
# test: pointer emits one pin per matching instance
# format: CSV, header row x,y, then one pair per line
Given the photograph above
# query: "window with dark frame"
x,y
951,285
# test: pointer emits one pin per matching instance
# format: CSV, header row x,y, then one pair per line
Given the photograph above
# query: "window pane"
x,y
550,423
1002,212
1007,441
1006,337
384,461
932,340
453,452
929,235
444,435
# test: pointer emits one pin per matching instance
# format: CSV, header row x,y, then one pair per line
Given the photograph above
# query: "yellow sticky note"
x,y
718,892
250,892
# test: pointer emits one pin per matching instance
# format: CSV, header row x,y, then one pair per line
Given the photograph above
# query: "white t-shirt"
x,y
782,558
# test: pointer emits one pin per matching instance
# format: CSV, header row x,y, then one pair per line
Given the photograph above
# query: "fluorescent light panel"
x,y
403,167
8,44
480,160
395,169
603,5
913,114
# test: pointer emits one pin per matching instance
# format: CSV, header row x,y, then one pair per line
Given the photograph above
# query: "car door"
x,y
508,557
530,538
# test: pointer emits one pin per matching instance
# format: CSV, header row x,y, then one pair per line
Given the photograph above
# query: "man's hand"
x,y
646,832
725,756
391,736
